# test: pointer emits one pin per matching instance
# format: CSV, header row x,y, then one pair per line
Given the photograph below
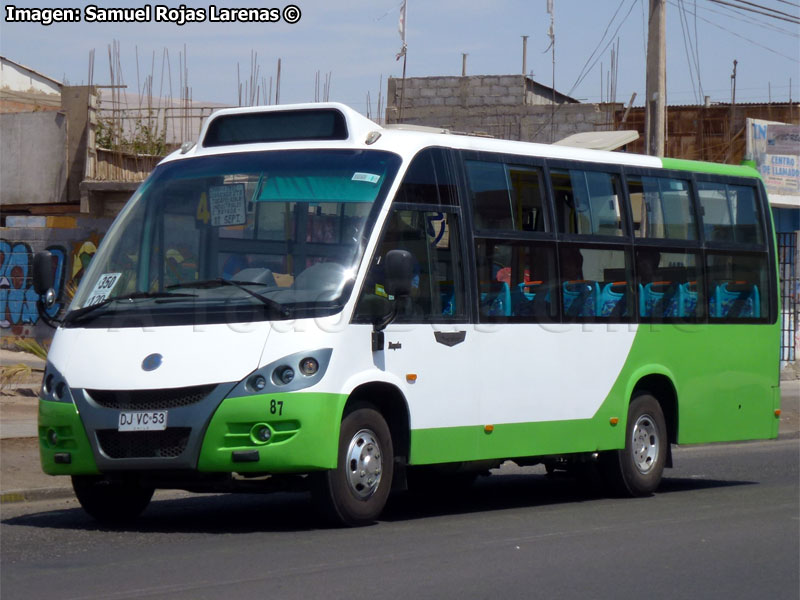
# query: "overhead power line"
x,y
732,13
767,48
761,6
789,18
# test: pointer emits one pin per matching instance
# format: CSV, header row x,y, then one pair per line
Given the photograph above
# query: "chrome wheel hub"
x,y
364,464
645,443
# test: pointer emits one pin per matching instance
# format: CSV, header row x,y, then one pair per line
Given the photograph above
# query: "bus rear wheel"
x,y
111,502
355,492
636,470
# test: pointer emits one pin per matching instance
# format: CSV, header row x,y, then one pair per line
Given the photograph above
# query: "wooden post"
x,y
656,78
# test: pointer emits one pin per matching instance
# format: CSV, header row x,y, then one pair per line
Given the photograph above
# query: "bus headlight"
x,y
287,374
54,386
283,375
309,366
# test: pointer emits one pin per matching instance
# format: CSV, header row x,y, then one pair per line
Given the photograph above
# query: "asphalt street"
x,y
725,524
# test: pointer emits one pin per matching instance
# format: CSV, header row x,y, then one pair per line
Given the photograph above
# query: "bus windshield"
x,y
238,237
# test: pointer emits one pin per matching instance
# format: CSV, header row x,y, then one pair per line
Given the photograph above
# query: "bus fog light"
x,y
283,375
52,437
309,366
261,433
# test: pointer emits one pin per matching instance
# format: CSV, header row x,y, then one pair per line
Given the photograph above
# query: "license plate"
x,y
154,420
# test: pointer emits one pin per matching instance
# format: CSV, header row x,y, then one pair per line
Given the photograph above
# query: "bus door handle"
x,y
450,338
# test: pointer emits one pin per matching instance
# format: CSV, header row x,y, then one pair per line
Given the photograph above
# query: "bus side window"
x,y
506,196
516,281
662,208
437,294
588,202
730,213
737,286
670,284
595,283
428,180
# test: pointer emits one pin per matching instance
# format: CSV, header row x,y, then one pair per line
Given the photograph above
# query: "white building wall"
x,y
19,78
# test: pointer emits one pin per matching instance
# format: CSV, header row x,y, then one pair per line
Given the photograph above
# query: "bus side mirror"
x,y
398,278
399,270
43,275
43,278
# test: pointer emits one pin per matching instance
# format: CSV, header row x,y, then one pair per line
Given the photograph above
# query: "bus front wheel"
x,y
636,470
355,492
111,502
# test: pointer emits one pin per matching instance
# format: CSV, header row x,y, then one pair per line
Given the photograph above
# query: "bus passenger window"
x,y
516,281
587,202
669,285
730,213
527,196
506,197
428,180
491,196
662,208
595,283
737,286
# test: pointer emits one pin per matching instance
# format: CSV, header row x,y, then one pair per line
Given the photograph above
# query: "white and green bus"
x,y
306,298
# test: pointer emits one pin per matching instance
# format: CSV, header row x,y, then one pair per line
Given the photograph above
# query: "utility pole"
x,y
729,155
524,54
655,113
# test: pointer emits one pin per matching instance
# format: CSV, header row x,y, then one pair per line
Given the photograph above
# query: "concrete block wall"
x,y
489,90
485,105
73,240
502,106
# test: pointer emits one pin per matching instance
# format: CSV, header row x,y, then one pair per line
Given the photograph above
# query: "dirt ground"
x,y
20,467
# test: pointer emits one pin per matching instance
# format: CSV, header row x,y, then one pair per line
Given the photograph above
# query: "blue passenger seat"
x,y
495,299
612,301
735,300
580,298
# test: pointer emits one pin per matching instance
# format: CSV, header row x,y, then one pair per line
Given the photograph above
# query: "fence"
x,y
790,287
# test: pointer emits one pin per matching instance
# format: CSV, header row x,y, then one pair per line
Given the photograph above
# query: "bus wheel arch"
x,y
390,402
662,389
373,431
637,468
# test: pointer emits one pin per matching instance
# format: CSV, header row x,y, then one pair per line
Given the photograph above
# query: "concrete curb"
x,y
54,493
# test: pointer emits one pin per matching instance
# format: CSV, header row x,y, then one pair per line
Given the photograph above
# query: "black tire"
x,y
355,492
111,502
636,470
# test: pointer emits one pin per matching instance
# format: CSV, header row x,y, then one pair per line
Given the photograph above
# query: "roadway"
x,y
725,524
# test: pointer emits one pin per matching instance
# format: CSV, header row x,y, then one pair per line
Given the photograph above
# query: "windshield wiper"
x,y
79,313
219,282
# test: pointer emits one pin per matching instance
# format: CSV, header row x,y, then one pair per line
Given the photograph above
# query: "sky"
x,y
353,44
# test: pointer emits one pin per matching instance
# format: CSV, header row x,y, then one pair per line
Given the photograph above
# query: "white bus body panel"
x,y
192,355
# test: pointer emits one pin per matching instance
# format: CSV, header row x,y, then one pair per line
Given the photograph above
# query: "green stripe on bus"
x,y
510,440
697,166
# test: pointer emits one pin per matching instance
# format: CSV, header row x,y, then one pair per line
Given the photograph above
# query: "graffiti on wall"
x,y
17,297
